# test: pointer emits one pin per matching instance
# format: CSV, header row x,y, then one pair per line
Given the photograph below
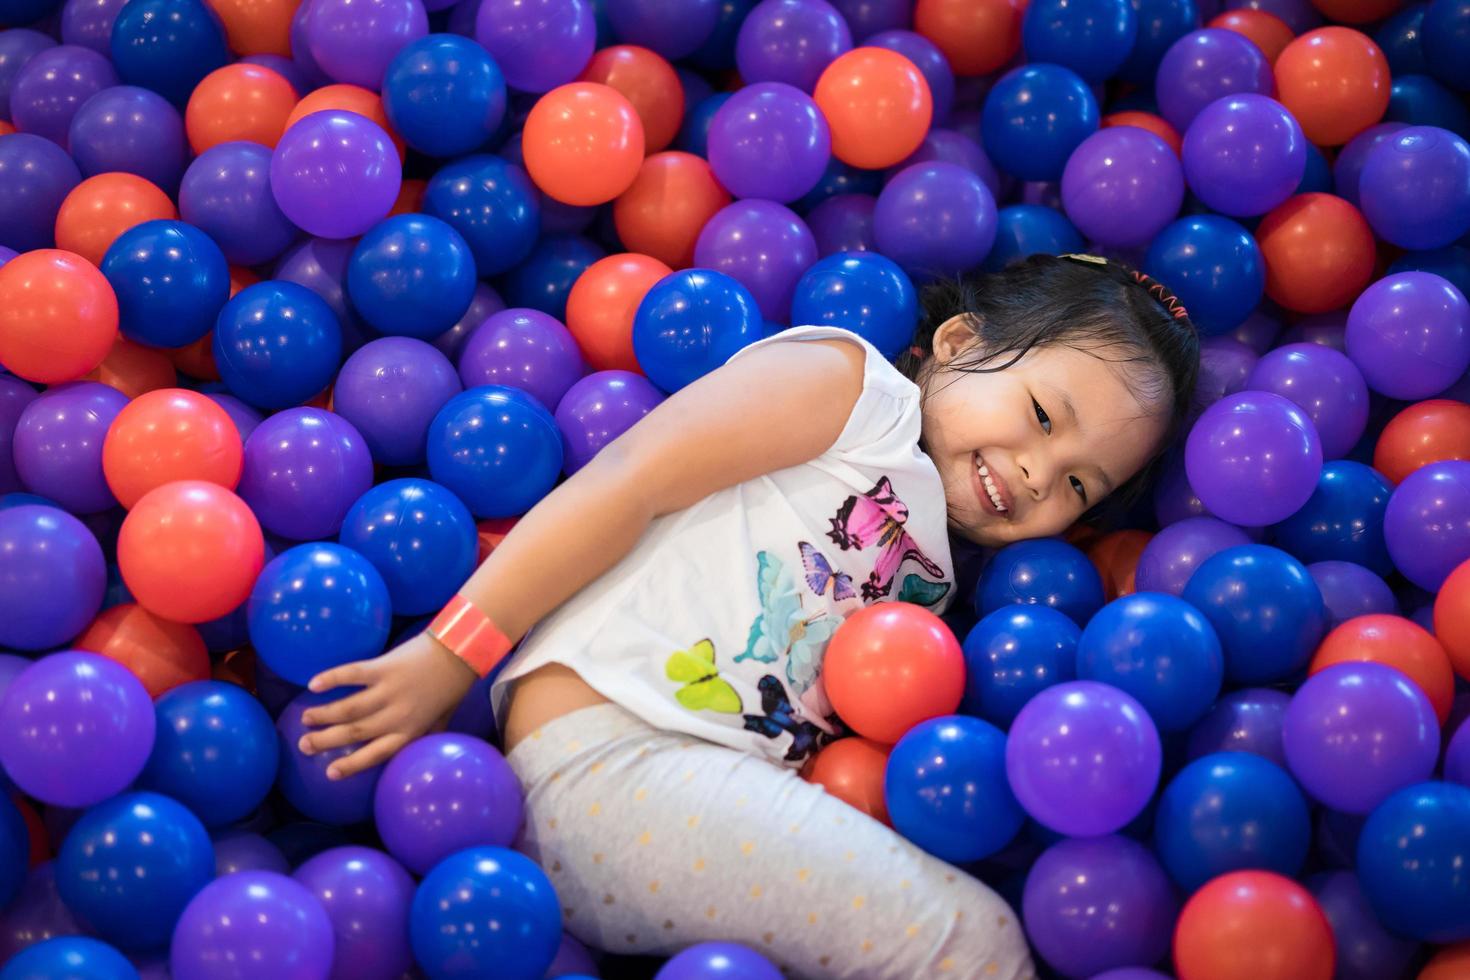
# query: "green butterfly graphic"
x,y
921,591
704,689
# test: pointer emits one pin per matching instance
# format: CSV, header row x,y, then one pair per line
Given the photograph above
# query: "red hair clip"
x,y
1167,299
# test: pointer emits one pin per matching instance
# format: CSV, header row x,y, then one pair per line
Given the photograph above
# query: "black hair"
x,y
1102,307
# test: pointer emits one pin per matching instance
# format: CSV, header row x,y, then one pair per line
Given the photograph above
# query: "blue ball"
x,y
492,204
497,448
1317,178
485,911
316,606
1159,649
545,279
1215,268
1399,39
277,344
1034,117
215,751
1451,262
690,323
411,275
1092,37
1266,610
717,53
1227,812
1342,520
945,789
1421,101
167,46
73,957
419,537
1031,229
171,282
694,131
1012,655
862,292
840,178
1042,571
1160,24
15,849
129,866
444,95
1445,37
1412,856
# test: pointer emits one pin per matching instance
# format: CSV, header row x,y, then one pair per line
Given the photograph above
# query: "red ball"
x,y
1394,642
1253,925
646,80
602,304
1452,619
168,435
852,769
667,207
1319,253
1428,432
1148,121
890,666
1266,31
58,316
1335,81
160,653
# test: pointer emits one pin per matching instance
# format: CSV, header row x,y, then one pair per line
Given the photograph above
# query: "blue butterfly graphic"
x,y
820,575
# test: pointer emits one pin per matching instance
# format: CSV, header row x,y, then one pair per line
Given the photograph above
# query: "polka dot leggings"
x,y
657,840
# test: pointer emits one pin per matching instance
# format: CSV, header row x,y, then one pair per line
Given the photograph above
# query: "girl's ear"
x,y
955,335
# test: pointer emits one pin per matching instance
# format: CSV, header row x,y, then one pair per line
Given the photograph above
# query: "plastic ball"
x,y
762,245
303,779
1451,621
945,789
525,349
935,219
1350,590
1045,572
765,122
716,961
878,104
444,94
976,37
538,45
335,174
1214,266
162,654
190,551
171,281
485,885
226,193
1266,610
1364,947
598,409
1177,551
1206,65
1253,924
862,292
844,223
650,85
239,102
1248,720
70,956
1093,38
1262,28
790,41
1319,253
1427,523
1412,188
1325,384
58,316
355,42
18,46
258,917
134,369
1343,520
1121,186
1027,229
36,176
411,275
52,580
690,323
131,130
168,46
277,344
1394,642
661,214
1034,117
852,769
52,85
303,469
1428,432
347,98
419,537
1410,855
1409,333
493,206
389,390
583,143
366,895
58,445
1335,82
674,30
1257,457
496,448
1244,154
545,279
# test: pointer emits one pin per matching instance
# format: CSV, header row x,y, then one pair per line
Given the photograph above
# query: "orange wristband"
x,y
470,635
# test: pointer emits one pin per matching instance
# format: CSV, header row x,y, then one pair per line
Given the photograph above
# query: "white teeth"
x,y
990,487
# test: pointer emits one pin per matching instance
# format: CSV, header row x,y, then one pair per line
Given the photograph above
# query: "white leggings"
x,y
657,840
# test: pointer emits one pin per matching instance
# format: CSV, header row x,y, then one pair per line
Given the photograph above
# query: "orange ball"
x,y
1253,925
197,360
190,551
1335,82
583,143
5,128
160,653
1115,555
852,769
878,105
492,531
410,197
257,26
1450,963
1452,619
169,435
1356,11
601,305
890,666
238,102
1266,31
58,316
1319,253
1394,642
649,82
347,98
662,214
102,207
976,36
134,369
1428,432
40,850
1148,121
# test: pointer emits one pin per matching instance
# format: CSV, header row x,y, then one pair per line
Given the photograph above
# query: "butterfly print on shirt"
x,y
779,717
876,519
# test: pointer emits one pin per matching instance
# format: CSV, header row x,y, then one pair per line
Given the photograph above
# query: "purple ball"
x,y
58,444
443,793
1122,185
36,914
866,18
672,28
257,917
244,417
390,390
1205,65
52,579
524,349
1427,524
572,958
1098,903
1365,949
1174,498
286,68
1248,720
717,961
226,193
935,220
335,174
1415,188
75,728
1350,590
538,44
763,123
927,57
52,86
952,146
791,41
1258,331
1325,384
1244,154
1356,733
1253,458
130,130
15,395
35,177
304,468
17,46
1172,555
763,246
598,409
843,223
301,50
1083,758
303,779
238,851
486,301
1456,761
1299,15
1347,169
1409,334
1224,365
320,264
1323,329
354,40
366,895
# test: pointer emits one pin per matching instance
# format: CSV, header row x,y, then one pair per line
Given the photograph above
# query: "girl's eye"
x,y
1042,417
1077,485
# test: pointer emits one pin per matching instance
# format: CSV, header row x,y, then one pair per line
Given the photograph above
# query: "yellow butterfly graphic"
x,y
704,689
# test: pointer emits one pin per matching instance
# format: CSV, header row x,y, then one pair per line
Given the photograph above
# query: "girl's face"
x,y
1024,451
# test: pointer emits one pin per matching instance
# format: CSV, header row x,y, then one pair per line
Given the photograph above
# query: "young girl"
x,y
683,586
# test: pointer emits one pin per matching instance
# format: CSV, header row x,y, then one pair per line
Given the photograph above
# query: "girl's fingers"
x,y
350,708
375,753
357,674
340,736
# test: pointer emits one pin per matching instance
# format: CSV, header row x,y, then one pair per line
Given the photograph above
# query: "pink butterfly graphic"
x,y
876,519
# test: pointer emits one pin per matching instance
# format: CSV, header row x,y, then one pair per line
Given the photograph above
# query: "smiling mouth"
x,y
990,488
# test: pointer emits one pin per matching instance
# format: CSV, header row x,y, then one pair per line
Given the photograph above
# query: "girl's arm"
x,y
776,407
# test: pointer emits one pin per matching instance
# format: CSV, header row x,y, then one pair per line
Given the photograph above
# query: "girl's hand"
x,y
405,692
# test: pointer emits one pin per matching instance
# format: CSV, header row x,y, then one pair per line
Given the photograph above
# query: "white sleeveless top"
x,y
715,623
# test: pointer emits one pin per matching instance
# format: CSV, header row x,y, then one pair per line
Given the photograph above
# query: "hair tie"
x,y
917,351
1166,299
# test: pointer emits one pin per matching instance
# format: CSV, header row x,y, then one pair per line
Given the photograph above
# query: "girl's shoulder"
x,y
878,370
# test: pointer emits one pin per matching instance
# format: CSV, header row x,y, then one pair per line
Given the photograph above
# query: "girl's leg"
x,y
657,840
